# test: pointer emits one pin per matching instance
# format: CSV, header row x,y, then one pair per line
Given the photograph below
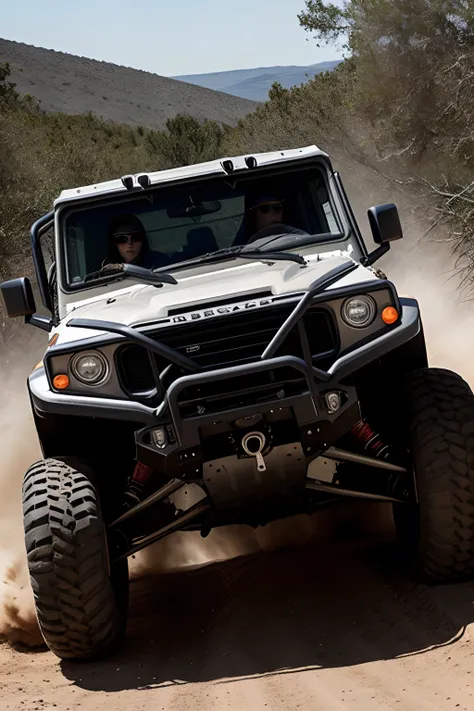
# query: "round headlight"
x,y
90,368
359,311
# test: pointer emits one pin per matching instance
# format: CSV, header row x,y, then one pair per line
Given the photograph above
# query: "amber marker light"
x,y
61,382
389,315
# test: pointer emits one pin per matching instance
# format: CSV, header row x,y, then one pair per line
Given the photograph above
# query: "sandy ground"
x,y
331,621
330,627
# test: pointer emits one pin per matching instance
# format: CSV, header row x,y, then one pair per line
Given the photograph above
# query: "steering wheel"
x,y
277,229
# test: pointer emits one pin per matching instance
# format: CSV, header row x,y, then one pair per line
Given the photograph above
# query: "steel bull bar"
x,y
309,407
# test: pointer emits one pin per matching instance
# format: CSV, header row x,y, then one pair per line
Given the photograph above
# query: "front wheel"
x,y
439,531
81,603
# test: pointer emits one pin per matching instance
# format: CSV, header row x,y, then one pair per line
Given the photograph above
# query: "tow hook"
x,y
253,444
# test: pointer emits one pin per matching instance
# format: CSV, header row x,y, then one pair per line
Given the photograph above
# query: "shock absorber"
x,y
371,441
396,484
134,490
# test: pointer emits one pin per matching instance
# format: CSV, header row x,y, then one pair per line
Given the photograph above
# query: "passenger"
x,y
128,243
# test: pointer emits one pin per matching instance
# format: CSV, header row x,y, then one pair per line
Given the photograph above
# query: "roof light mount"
x,y
143,181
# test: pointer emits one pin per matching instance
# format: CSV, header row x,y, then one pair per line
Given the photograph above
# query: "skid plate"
x,y
234,482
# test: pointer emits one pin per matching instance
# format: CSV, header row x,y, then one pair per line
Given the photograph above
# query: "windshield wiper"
x,y
240,252
122,271
272,256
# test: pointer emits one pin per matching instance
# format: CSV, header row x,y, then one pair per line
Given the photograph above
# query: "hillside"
x,y
255,83
73,85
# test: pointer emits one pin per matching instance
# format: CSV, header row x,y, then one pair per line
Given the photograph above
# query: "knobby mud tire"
x,y
438,533
81,605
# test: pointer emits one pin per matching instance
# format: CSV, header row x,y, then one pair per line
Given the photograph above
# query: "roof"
x,y
214,167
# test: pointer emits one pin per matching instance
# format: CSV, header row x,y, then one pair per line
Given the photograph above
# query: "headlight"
x,y
359,311
90,368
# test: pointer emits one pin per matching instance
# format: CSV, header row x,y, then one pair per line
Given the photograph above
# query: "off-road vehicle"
x,y
236,375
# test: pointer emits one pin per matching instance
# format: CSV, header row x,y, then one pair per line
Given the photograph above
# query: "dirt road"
x,y
337,627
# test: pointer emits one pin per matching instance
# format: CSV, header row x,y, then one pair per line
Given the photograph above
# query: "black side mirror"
x,y
19,300
18,297
385,223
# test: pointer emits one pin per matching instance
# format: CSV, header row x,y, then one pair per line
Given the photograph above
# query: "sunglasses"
x,y
124,237
265,209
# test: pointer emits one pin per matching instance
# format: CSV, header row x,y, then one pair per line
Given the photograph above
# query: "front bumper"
x,y
317,427
47,402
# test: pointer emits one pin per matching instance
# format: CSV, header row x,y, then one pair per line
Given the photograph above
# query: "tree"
x,y
400,25
8,94
327,21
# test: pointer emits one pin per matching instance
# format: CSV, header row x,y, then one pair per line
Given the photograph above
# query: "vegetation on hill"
x,y
71,84
42,154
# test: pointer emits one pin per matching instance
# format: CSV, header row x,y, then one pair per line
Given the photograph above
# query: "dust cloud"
x,y
422,268
425,269
19,448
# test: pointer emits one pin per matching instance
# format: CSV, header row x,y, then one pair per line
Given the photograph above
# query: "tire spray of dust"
x,y
18,449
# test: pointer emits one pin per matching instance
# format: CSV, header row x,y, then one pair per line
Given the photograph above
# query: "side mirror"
x,y
385,223
19,300
18,297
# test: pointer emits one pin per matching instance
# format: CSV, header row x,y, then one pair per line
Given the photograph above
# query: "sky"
x,y
168,37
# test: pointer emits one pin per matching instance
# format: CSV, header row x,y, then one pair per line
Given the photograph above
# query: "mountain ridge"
x,y
72,84
255,83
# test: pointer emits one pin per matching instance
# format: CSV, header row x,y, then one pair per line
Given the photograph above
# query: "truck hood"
x,y
143,304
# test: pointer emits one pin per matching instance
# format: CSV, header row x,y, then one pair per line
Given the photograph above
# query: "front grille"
x,y
134,369
235,339
230,340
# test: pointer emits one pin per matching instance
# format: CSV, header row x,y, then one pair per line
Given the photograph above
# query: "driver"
x,y
266,217
266,210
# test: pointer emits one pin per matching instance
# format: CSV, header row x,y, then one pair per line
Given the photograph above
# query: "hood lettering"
x,y
218,311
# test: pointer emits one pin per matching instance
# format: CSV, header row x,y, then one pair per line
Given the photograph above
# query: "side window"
x,y
48,254
47,249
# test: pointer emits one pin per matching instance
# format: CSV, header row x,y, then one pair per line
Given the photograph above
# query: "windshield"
x,y
174,224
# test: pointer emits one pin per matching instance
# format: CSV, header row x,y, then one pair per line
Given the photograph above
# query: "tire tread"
x,y
441,415
67,559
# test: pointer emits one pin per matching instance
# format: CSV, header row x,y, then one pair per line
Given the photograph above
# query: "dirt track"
x,y
331,623
338,627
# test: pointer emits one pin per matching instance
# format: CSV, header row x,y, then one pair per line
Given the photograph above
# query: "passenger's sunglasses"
x,y
265,209
124,237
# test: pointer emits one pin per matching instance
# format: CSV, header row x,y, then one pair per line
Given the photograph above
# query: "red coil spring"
x,y
370,440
